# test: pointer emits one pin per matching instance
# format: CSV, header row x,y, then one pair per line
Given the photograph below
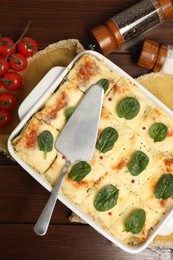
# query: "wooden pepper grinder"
x,y
130,23
156,57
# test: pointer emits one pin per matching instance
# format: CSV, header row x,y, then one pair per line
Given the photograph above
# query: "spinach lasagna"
x,y
127,187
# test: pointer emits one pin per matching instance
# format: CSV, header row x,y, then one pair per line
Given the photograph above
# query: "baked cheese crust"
x,y
54,111
88,70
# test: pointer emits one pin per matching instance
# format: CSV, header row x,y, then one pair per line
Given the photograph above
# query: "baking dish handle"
x,y
39,90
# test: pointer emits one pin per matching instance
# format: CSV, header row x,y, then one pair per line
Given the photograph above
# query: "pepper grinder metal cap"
x,y
148,54
167,7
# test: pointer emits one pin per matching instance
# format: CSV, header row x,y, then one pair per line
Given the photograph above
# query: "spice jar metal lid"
x,y
148,54
107,36
167,7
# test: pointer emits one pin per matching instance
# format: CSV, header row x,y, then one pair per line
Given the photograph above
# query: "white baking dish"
x,y
49,83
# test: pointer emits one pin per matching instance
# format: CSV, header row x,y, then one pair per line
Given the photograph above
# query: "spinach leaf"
x,y
164,188
104,83
138,163
45,142
107,139
69,112
128,108
79,171
136,221
158,132
106,198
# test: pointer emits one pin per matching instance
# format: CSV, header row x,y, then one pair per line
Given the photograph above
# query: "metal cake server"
x,y
77,143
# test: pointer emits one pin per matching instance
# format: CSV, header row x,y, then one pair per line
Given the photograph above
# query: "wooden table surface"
x,y
21,197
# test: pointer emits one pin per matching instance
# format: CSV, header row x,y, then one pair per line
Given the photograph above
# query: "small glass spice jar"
x,y
156,57
130,23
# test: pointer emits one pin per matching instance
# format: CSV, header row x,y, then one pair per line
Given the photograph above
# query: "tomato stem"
x,y
2,118
16,60
29,44
8,54
7,81
4,103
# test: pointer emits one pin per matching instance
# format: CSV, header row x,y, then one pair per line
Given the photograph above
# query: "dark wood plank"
x,y
57,19
6,159
63,242
23,198
53,16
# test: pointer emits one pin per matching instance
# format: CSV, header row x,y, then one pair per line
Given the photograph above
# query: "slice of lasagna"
x,y
127,104
35,145
60,105
127,231
88,70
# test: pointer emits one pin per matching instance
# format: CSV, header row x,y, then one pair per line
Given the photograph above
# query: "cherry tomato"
x,y
3,68
18,62
7,101
5,45
12,81
5,118
27,46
